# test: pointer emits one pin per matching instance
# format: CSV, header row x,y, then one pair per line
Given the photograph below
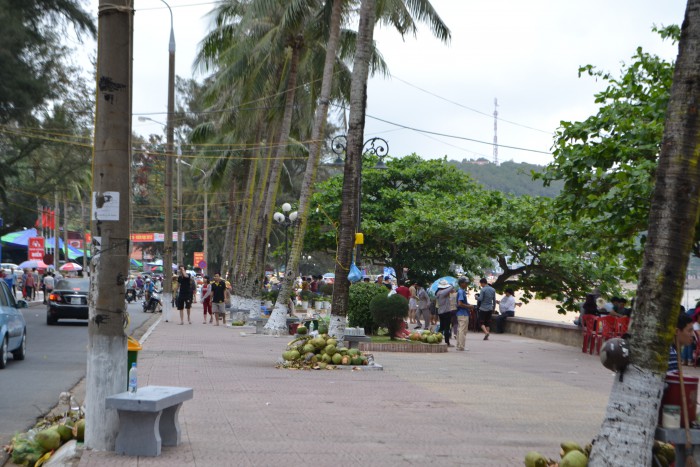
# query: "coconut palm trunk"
x,y
353,167
277,322
627,432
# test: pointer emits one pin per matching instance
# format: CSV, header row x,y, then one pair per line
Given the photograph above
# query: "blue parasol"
x,y
433,287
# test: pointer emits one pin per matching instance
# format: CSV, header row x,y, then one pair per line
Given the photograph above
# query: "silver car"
x,y
13,328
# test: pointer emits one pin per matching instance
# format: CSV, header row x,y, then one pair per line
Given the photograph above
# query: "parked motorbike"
x,y
154,304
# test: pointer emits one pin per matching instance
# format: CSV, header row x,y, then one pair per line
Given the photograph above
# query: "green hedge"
x,y
361,294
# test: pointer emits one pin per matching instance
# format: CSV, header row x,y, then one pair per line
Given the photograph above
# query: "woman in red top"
x,y
206,299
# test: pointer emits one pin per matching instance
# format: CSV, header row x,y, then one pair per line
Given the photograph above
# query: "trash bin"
x,y
133,348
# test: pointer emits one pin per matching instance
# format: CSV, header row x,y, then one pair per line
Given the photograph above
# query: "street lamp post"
x,y
286,221
376,146
206,212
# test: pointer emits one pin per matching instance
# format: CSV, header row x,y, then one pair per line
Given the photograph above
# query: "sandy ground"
x,y
547,309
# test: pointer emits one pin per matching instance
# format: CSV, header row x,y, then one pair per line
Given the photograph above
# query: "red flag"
x,y
43,218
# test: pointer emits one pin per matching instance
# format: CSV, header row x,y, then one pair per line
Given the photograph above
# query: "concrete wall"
x,y
567,334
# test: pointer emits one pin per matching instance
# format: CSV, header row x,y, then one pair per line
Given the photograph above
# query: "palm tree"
x,y
400,14
627,433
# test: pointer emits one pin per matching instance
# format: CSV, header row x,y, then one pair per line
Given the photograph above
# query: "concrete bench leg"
x,y
170,426
138,433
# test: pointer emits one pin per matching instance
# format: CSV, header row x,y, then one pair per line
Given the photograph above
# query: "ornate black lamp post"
x,y
376,146
286,221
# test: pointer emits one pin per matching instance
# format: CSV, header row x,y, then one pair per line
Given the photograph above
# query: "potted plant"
x,y
306,296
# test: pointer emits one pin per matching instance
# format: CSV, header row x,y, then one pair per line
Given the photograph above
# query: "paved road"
x,y
56,361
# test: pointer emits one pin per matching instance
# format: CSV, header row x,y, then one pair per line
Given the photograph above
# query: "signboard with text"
x,y
198,258
36,248
151,237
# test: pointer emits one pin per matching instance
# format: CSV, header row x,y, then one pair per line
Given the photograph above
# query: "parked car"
x,y
69,300
13,328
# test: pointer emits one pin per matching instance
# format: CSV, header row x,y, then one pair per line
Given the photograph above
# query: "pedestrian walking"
x,y
463,307
206,299
28,281
412,304
487,296
48,286
444,290
423,306
218,298
184,294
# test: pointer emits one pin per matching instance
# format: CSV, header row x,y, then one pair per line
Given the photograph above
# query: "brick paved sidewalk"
x,y
487,406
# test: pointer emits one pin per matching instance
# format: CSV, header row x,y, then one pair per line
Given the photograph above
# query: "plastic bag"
x,y
355,275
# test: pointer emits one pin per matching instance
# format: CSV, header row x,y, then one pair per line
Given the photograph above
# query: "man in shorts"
x,y
218,298
184,293
487,305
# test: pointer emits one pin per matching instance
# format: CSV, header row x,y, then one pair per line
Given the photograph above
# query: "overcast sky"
x,y
525,54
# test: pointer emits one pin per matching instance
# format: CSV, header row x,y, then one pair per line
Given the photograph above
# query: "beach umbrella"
x,y
33,263
433,287
71,267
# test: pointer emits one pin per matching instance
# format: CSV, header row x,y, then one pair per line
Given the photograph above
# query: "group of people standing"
x,y
451,308
30,282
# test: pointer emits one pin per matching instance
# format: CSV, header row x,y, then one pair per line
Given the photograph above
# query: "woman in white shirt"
x,y
506,306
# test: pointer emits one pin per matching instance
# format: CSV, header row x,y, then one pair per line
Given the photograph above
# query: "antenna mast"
x,y
495,131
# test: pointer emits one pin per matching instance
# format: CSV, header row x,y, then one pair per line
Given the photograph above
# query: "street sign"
x,y
36,248
202,264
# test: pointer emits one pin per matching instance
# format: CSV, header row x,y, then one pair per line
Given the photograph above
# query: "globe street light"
x,y
378,147
286,221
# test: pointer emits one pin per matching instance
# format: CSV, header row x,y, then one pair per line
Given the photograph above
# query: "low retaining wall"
x,y
401,347
561,333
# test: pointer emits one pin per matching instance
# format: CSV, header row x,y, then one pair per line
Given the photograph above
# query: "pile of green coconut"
x,y
36,446
573,455
427,337
319,353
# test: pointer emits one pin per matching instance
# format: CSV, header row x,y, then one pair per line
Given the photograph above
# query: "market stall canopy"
x,y
20,239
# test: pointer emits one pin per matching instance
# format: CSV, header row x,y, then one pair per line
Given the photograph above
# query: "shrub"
x,y
389,311
326,289
361,293
271,295
307,295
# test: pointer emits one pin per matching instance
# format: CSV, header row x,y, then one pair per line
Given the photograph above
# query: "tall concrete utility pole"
x,y
107,352
170,149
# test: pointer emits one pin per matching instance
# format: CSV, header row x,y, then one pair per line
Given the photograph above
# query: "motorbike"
x,y
154,304
131,295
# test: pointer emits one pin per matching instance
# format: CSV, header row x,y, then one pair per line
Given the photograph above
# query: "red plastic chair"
x,y
622,325
589,332
607,327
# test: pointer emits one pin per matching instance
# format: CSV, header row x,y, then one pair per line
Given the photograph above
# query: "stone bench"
x,y
148,419
355,340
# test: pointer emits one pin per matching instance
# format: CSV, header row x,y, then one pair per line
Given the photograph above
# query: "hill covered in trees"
x,y
508,177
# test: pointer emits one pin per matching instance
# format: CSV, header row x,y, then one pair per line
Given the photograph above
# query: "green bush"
x,y
307,295
271,295
389,311
361,293
326,290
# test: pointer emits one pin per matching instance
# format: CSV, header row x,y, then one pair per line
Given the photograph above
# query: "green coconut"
x,y
79,430
330,349
431,340
356,360
337,359
535,459
48,439
309,348
322,365
331,342
574,459
353,352
301,330
326,358
342,351
318,342
65,432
